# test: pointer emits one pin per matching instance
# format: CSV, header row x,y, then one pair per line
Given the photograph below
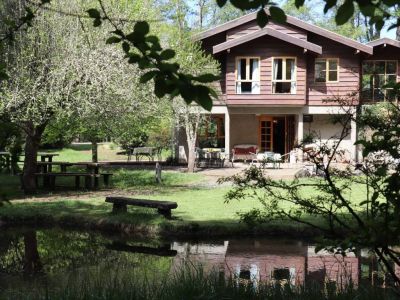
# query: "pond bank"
x,y
177,229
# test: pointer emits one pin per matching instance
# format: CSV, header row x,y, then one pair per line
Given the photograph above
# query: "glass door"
x,y
266,134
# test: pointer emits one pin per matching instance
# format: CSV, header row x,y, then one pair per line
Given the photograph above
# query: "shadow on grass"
x,y
76,147
80,147
81,211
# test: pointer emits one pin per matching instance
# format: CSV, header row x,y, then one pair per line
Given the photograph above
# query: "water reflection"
x,y
274,261
51,254
32,263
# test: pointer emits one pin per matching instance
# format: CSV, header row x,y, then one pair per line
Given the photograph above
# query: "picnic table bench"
x,y
49,179
120,205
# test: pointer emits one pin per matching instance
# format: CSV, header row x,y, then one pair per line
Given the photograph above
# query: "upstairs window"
x,y
248,75
284,76
327,70
376,74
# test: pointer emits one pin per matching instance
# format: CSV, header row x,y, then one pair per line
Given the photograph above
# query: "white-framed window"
x,y
284,75
247,75
326,70
375,75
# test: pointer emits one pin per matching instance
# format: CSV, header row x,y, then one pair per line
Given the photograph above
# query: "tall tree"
x,y
96,84
42,85
192,60
358,26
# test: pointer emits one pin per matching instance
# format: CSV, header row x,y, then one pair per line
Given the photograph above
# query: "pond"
x,y
33,259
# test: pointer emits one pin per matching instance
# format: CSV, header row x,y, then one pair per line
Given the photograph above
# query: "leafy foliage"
x,y
149,55
379,11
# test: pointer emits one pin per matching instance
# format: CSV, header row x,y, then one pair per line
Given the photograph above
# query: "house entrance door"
x,y
276,134
266,134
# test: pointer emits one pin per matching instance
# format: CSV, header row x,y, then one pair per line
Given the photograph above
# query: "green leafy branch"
x,y
144,50
379,11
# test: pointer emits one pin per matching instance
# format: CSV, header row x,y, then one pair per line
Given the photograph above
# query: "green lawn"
x,y
195,202
200,208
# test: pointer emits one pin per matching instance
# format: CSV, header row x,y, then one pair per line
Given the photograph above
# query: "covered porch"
x,y
278,129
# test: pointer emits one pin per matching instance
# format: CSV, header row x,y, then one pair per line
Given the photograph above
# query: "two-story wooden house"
x,y
275,82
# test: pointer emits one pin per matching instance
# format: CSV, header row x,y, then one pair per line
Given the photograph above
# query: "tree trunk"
x,y
32,263
192,121
95,154
191,155
32,142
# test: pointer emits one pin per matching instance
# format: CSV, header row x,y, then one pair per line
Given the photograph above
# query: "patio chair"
x,y
270,157
209,158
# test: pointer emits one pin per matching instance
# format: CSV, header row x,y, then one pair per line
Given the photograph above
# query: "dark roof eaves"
x,y
267,31
293,21
383,41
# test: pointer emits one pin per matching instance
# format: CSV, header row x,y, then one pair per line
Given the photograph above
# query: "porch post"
x,y
300,134
227,134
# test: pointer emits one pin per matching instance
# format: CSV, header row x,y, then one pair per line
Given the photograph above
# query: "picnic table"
x,y
7,157
48,156
44,157
47,167
92,171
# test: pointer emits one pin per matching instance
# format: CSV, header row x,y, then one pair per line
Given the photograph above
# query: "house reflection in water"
x,y
270,261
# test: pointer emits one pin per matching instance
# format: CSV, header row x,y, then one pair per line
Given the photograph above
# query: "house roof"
x,y
384,42
292,21
271,32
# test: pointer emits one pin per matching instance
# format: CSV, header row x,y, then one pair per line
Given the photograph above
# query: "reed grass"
x,y
189,282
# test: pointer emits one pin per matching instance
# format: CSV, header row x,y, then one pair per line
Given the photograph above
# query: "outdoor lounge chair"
x,y
244,152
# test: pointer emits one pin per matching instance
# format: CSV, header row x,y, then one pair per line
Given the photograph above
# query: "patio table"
x,y
270,157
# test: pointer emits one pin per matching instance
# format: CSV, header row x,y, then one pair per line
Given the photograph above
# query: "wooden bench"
x,y
120,205
164,251
126,152
49,179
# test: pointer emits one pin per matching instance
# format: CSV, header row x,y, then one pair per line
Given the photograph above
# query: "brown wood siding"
x,y
266,48
349,73
220,85
252,27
